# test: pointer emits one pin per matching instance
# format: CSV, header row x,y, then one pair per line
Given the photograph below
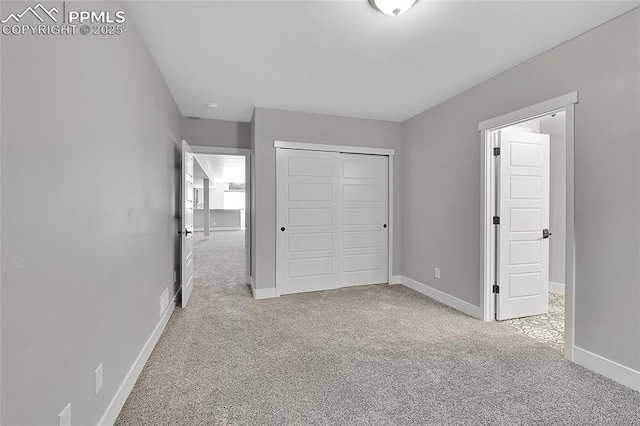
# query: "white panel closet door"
x,y
364,191
523,250
308,233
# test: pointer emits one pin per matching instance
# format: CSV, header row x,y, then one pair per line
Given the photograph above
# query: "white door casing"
x,y
523,208
332,219
489,130
186,230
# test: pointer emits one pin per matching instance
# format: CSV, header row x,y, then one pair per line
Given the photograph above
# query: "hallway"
x,y
362,355
220,261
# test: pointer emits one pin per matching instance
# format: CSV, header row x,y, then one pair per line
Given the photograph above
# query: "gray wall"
x,y
272,125
218,219
208,132
216,195
441,218
92,129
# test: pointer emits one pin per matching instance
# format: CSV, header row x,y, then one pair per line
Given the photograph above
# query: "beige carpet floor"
x,y
375,355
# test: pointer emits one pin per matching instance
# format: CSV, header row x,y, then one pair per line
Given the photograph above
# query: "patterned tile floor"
x,y
546,328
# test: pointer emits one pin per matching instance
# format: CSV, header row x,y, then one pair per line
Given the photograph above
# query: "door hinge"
x,y
496,220
496,288
496,151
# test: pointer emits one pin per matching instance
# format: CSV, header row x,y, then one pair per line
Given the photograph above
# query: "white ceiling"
x,y
343,57
221,168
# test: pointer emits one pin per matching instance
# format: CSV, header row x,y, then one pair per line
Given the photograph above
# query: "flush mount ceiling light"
x,y
392,7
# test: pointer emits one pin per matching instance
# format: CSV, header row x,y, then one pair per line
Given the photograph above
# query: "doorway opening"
x,y
220,197
528,222
530,254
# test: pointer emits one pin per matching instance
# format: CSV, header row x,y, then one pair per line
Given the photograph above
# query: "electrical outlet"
x,y
64,418
164,301
437,274
99,378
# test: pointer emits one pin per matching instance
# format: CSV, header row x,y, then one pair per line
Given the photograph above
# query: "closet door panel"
x,y
308,231
364,192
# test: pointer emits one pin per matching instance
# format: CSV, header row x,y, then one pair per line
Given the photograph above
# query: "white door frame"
x,y
390,153
246,153
488,194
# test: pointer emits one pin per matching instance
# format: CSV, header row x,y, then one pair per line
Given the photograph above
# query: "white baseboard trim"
x,y
396,279
443,297
611,369
556,287
264,293
111,414
222,228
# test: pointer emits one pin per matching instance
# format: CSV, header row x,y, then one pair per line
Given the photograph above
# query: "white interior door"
x,y
308,233
187,223
523,206
364,181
